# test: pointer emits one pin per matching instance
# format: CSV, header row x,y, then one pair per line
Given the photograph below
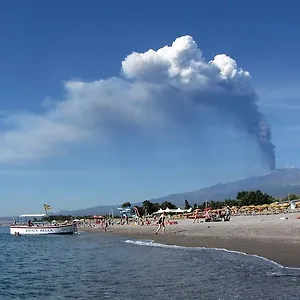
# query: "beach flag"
x,y
47,207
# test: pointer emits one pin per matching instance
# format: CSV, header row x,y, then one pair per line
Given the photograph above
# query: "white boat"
x,y
41,228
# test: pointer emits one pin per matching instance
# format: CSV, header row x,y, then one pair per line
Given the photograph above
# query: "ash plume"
x,y
218,83
172,86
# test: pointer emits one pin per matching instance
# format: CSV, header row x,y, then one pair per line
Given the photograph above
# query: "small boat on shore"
x,y
40,228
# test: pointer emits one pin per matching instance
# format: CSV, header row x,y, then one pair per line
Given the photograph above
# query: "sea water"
x,y
101,266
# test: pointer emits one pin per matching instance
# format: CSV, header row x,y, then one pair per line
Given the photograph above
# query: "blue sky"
x,y
79,128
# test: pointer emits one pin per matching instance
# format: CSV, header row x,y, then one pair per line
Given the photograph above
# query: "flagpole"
x,y
47,208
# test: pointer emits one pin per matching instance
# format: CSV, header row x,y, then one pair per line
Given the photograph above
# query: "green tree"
x,y
156,207
246,198
201,206
186,204
140,210
231,202
291,197
126,204
219,204
212,204
168,204
148,207
58,218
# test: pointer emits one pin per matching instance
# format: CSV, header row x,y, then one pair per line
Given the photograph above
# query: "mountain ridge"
x,y
278,184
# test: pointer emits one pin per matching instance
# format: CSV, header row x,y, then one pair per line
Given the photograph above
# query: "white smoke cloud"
x,y
156,88
183,64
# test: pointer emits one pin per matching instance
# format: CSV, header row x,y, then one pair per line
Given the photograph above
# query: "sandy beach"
x,y
268,236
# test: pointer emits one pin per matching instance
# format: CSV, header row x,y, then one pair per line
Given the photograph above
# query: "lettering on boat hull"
x,y
32,230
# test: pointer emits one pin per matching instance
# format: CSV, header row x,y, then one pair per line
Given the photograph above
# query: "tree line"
x,y
243,198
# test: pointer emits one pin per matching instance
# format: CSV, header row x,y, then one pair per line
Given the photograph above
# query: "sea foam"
x,y
152,243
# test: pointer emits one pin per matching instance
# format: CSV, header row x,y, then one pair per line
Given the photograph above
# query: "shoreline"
x,y
269,237
278,251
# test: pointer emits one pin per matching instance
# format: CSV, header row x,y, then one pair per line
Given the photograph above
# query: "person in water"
x,y
161,223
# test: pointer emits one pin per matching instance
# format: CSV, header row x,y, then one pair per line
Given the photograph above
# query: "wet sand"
x,y
267,236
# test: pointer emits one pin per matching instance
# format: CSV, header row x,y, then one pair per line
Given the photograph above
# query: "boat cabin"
x,y
30,220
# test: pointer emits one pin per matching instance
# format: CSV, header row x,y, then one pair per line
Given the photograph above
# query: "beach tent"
x,y
179,210
168,210
293,204
160,211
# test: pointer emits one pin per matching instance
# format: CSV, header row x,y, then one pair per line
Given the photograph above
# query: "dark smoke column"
x,y
266,144
242,108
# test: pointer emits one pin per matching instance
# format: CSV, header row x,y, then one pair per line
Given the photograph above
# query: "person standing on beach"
x,y
104,224
161,223
196,217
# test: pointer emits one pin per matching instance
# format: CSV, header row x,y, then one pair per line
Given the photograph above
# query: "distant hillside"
x,y
278,184
5,221
97,210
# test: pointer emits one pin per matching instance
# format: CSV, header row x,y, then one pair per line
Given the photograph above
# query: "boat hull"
x,y
42,230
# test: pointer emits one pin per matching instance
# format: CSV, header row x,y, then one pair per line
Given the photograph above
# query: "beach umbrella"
x,y
264,206
98,217
234,208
